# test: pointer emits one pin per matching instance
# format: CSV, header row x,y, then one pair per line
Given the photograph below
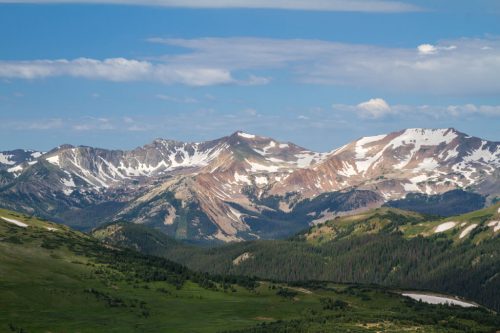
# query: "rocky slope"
x,y
243,186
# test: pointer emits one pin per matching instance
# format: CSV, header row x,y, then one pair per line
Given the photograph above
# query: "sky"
x,y
319,73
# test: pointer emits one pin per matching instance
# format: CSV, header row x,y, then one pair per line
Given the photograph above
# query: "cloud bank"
x,y
377,6
463,66
115,69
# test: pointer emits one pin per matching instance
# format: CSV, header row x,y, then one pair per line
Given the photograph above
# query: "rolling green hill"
x,y
386,246
54,279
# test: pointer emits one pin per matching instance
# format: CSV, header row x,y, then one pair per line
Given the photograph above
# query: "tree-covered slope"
x,y
391,247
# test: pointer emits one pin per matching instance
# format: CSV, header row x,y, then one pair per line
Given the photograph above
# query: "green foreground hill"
x,y
53,279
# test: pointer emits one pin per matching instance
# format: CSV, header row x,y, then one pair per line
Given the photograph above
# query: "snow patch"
x,y
265,150
16,169
360,150
411,187
419,179
495,225
53,160
261,180
467,230
246,135
348,170
16,222
305,159
69,184
241,258
445,226
432,299
5,159
242,178
256,167
237,214
428,164
421,137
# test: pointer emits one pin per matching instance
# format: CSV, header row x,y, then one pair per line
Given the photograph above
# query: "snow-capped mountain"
x,y
16,160
100,168
243,186
414,160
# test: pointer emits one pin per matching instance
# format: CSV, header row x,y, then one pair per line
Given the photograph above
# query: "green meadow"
x,y
59,280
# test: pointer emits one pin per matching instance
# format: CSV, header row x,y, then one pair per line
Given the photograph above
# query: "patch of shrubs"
x,y
333,304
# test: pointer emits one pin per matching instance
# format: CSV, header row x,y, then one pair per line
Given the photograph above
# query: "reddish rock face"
x,y
235,180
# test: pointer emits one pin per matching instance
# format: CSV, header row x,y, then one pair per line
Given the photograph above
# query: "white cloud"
x,y
115,69
94,124
427,49
192,76
374,108
378,108
383,6
470,109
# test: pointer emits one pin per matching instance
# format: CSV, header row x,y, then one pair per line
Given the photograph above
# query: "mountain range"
x,y
244,186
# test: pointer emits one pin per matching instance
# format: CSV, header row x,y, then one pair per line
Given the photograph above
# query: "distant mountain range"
x,y
245,186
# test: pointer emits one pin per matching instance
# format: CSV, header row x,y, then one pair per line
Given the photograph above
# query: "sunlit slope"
x,y
65,281
475,227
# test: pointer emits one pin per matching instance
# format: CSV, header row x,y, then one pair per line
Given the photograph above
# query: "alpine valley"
x,y
246,187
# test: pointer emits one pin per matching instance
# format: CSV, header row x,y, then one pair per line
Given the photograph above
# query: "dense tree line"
x,y
433,263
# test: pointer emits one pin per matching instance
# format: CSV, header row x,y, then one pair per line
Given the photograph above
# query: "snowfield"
x,y
467,230
495,225
433,299
16,222
445,226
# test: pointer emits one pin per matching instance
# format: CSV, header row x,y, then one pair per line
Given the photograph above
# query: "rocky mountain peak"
x,y
217,188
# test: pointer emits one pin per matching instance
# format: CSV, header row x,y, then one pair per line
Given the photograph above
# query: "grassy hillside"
x,y
53,279
385,246
474,227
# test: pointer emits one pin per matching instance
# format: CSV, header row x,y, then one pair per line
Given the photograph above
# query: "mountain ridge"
x,y
242,186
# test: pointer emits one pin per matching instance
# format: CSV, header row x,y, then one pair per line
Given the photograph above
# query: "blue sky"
x,y
320,73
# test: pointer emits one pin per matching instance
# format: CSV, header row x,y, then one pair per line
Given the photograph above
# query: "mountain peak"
x,y
244,135
431,131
